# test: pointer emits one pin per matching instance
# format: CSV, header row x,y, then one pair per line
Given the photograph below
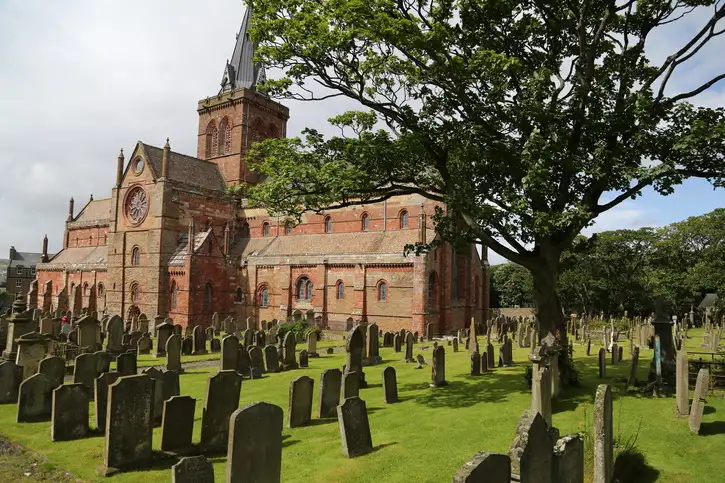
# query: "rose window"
x,y
137,205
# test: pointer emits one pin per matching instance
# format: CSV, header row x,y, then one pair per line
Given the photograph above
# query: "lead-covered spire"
x,y
241,70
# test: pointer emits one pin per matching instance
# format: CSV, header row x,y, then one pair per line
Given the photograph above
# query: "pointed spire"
x,y
44,258
91,197
241,70
119,168
165,160
70,209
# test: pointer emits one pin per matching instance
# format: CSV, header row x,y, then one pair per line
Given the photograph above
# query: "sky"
x,y
81,79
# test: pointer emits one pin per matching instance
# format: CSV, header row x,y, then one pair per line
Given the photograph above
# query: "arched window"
x,y
135,293
273,131
225,137
263,296
365,222
431,291
382,291
136,256
328,224
265,229
287,227
174,295
212,140
85,289
304,289
239,297
403,219
340,290
207,297
101,290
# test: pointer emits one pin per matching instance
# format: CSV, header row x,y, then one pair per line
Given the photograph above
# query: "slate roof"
x,y
187,170
26,259
95,212
77,257
241,70
178,258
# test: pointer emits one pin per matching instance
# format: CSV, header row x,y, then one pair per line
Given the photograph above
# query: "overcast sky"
x,y
81,79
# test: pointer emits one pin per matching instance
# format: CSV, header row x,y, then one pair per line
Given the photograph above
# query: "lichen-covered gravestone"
x,y
702,387
485,467
255,444
85,370
178,423
101,396
330,386
70,413
409,347
129,424
531,451
193,469
352,417
603,435
390,385
300,401
682,385
222,399
35,399
568,462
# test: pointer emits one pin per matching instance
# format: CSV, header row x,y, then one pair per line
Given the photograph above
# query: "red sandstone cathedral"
x,y
170,241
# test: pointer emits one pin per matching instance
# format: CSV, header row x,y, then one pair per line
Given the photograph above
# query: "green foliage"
x,y
6,299
519,116
299,329
511,286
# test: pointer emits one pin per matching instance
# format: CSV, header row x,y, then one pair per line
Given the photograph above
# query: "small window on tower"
x,y
265,229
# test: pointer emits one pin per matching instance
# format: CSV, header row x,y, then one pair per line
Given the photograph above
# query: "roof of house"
x,y
76,257
186,169
95,212
26,259
709,300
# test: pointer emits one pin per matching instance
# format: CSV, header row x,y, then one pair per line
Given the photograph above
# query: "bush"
x,y
299,329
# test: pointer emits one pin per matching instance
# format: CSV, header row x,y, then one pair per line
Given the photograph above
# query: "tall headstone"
x,y
32,348
568,462
475,364
603,435
390,385
289,358
100,389
222,399
85,370
256,362
126,364
602,363
330,387
531,451
129,427
409,347
429,332
300,401
163,332
354,346
199,337
177,424
682,395
35,399
438,374
70,413
193,469
114,335
271,359
485,468
373,344
230,353
541,392
173,353
312,344
702,387
54,368
11,375
632,380
355,434
255,444
350,385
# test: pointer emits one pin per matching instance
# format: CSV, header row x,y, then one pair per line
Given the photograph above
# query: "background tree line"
x,y
620,270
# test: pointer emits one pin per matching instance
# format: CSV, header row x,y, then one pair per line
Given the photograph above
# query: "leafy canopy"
x,y
525,119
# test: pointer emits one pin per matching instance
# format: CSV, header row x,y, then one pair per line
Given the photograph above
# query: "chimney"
x,y
13,253
226,238
70,209
44,258
422,236
119,168
165,160
190,249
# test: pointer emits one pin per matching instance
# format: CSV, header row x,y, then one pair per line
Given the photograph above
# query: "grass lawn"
x,y
427,436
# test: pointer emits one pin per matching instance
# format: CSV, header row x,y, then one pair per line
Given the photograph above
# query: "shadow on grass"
x,y
290,442
631,466
320,422
706,409
384,445
713,428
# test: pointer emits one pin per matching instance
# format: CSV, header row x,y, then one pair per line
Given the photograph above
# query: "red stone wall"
x,y
87,237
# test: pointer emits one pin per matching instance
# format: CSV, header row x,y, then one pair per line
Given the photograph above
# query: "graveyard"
x,y
429,433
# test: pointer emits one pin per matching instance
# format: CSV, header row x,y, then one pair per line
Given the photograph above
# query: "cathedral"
x,y
172,241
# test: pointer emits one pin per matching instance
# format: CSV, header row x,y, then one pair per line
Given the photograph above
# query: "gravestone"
x,y
70,413
85,370
158,402
490,362
88,327
215,346
35,399
397,343
702,387
177,424
173,353
485,468
475,363
455,345
620,354
304,359
54,368
300,401
248,338
603,435
256,362
409,347
484,362
199,338
330,387
602,363
229,359
352,417
390,385
289,358
163,332
568,461
615,354
100,389
222,399
632,381
438,375
271,359
114,335
243,362
682,394
589,347
209,333
126,364
187,345
193,469
429,332
312,344
354,346
260,338
255,444
129,427
11,375
32,348
144,345
103,361
350,385
373,344
541,392
531,451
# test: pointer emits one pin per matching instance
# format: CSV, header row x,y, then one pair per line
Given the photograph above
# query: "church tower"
x,y
240,114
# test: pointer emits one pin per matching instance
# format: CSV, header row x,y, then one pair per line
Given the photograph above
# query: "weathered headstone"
x,y
603,435
702,387
129,427
409,347
114,335
70,413
541,392
199,338
173,353
438,375
632,380
312,344
330,387
255,444
682,386
352,417
256,362
126,364
475,363
568,461
177,424
390,385
11,375
54,368
193,469
485,468
103,361
243,362
163,332
144,345
187,345
602,363
350,385
100,388
85,370
271,359
215,346
158,403
289,357
531,451
300,401
615,354
230,353
35,399
354,346
222,399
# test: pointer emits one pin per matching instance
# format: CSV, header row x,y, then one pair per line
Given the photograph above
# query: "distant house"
x,y
20,271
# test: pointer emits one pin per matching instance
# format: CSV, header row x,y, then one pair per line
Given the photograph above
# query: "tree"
x,y
511,286
525,119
